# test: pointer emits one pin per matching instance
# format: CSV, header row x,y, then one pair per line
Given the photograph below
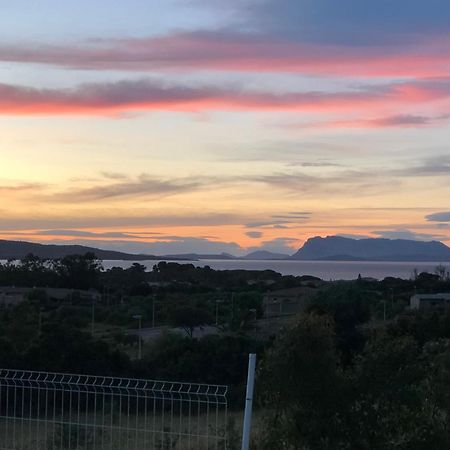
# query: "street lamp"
x,y
93,317
217,311
254,313
232,306
153,311
40,321
139,319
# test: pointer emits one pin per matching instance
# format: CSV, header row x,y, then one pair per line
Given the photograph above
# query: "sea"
x,y
326,270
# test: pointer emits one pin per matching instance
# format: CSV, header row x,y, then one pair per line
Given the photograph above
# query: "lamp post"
x,y
93,317
139,319
254,313
40,322
232,306
153,311
217,311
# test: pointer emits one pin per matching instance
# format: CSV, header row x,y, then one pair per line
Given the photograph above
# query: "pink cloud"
x,y
144,95
120,97
240,52
398,121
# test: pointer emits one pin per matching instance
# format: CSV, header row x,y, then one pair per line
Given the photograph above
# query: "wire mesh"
x,y
55,411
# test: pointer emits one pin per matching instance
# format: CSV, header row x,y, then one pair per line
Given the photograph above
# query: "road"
x,y
147,334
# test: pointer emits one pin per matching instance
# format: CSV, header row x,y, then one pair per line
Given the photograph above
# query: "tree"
x,y
394,395
301,387
188,318
79,271
349,305
442,272
398,397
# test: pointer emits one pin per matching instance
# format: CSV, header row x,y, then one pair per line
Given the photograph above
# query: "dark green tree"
x,y
301,388
189,318
78,271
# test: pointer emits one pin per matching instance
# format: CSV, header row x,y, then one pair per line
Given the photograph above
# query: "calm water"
x,y
327,270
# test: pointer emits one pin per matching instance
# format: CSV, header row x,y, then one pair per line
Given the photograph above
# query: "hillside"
x,y
264,255
345,249
19,249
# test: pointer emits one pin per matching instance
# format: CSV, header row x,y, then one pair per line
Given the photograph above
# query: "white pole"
x,y
249,401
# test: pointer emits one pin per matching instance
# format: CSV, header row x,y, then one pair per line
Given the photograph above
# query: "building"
x,y
424,301
11,295
285,302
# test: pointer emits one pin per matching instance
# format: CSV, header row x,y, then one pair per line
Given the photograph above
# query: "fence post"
x,y
249,401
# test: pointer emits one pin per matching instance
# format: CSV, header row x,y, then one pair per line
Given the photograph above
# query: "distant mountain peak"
x,y
371,249
265,254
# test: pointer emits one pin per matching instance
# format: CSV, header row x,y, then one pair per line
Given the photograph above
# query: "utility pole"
x,y
153,311
139,318
93,317
232,306
217,312
40,322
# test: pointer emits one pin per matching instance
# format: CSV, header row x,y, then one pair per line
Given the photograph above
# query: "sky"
x,y
177,126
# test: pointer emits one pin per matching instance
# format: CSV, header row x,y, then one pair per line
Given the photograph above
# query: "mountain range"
x,y
20,249
330,248
337,248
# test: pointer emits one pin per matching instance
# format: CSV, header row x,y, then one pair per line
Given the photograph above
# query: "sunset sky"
x,y
169,126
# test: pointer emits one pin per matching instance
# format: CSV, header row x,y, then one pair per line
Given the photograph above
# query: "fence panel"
x,y
52,411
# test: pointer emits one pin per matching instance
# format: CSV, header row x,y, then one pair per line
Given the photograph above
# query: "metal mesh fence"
x,y
52,411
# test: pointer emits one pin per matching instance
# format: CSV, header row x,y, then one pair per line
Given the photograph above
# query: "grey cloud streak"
x,y
118,217
367,183
408,234
144,185
81,233
254,234
433,166
22,187
337,181
443,216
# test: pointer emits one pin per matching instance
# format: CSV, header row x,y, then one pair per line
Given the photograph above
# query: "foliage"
x,y
301,387
338,378
394,396
216,359
350,307
189,318
78,271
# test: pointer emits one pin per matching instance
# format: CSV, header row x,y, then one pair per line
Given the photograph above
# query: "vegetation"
x,y
393,395
355,370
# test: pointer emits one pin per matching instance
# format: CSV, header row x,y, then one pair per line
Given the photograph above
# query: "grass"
x,y
119,432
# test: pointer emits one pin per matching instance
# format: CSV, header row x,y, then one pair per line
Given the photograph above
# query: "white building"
x,y
423,301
